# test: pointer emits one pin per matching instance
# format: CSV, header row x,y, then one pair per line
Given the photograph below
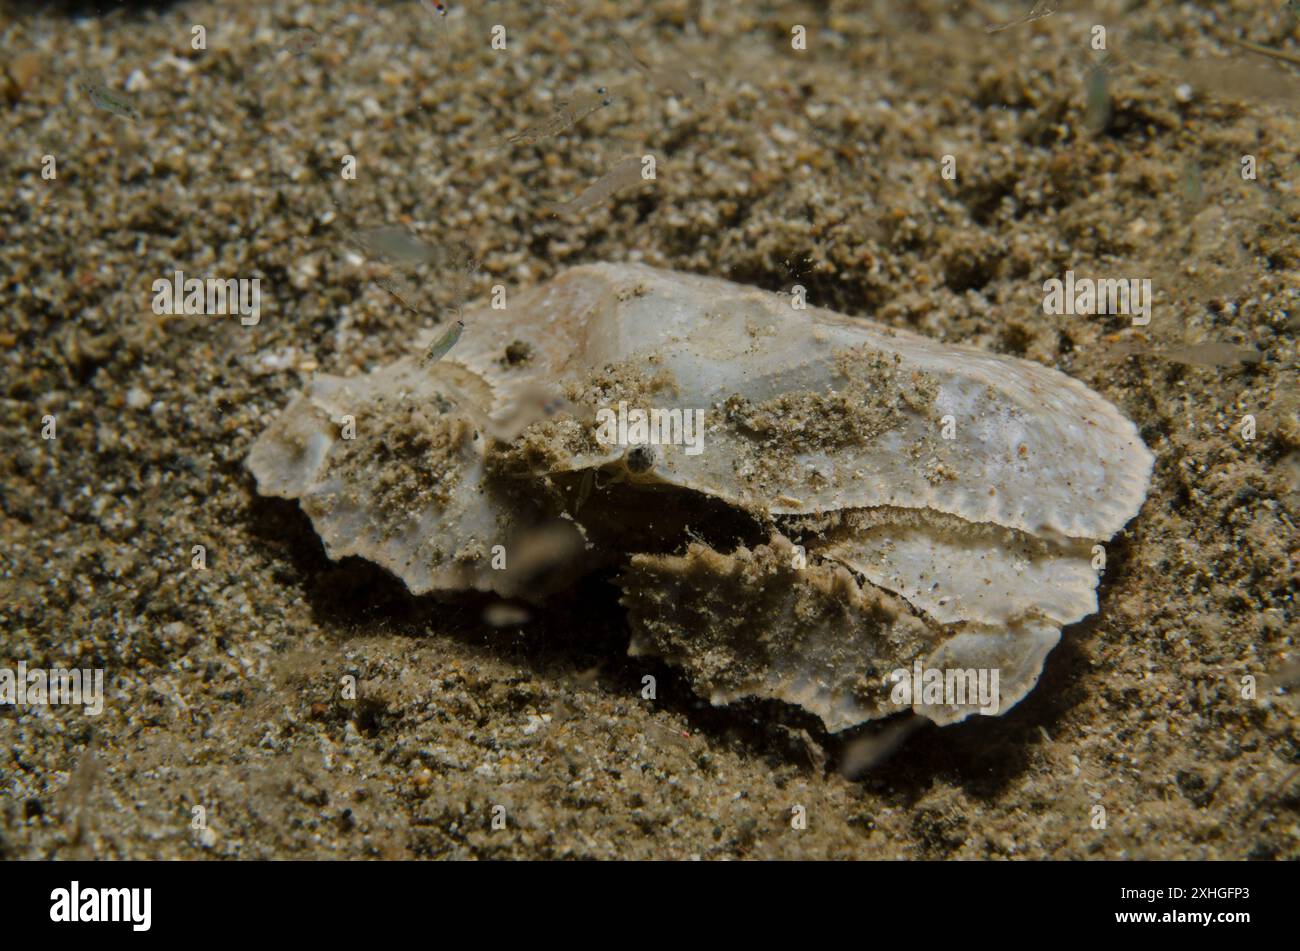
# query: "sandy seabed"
x,y
818,166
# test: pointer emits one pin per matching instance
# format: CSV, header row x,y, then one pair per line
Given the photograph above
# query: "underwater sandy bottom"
x,y
820,167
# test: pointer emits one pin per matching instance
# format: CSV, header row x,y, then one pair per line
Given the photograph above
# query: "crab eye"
x,y
640,459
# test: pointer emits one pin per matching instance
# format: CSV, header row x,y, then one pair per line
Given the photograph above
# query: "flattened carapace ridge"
x,y
959,492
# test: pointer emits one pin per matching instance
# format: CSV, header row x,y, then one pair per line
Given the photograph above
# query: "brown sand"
x,y
818,167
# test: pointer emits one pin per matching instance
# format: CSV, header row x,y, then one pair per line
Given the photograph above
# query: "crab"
x,y
862,502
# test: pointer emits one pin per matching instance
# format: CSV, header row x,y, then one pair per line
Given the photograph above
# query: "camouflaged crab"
x,y
864,499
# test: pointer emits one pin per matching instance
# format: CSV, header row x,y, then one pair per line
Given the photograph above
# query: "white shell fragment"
x,y
861,501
